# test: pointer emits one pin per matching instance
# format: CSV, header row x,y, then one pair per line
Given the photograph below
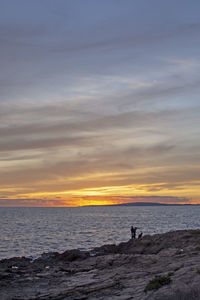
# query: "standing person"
x,y
133,232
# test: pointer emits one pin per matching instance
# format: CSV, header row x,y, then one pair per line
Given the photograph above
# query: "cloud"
x,y
30,202
99,95
132,40
85,200
38,143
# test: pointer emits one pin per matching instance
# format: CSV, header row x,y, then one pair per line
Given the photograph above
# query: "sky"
x,y
99,102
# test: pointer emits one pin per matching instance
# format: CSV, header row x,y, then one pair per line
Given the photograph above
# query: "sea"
x,y
31,231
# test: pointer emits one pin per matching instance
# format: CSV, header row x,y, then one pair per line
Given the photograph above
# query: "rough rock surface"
x,y
109,272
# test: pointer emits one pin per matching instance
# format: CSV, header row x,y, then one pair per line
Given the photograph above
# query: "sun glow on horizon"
x,y
108,195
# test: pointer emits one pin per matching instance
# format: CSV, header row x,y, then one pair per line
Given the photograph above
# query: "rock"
x,y
74,254
105,249
163,266
15,262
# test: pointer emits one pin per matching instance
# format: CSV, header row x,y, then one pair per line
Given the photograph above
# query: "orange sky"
x,y
103,195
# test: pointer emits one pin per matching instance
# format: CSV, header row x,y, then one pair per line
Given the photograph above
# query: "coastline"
x,y
123,271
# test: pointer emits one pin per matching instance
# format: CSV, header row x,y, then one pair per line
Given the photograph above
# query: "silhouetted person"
x,y
133,232
140,235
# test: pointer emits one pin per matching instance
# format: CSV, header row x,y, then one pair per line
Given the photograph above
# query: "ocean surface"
x,y
32,231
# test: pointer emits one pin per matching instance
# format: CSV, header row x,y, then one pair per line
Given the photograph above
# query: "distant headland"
x,y
146,204
151,204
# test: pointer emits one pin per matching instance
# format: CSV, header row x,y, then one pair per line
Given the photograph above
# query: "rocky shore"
x,y
160,267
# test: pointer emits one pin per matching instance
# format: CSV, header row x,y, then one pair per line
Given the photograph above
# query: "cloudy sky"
x,y
99,102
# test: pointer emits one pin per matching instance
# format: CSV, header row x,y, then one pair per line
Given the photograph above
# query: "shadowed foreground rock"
x,y
161,267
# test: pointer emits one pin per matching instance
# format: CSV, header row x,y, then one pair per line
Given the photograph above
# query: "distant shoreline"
x,y
152,204
143,204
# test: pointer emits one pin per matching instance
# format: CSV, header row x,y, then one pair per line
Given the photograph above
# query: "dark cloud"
x,y
30,202
90,123
38,143
79,121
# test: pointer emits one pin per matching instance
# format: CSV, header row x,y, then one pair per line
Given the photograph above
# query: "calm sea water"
x,y
31,231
